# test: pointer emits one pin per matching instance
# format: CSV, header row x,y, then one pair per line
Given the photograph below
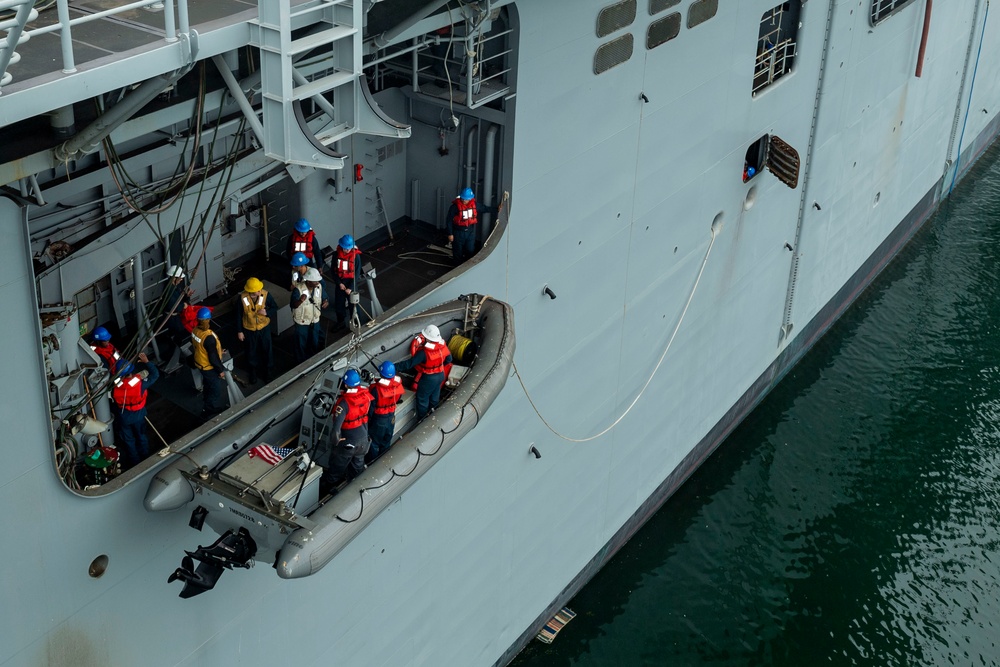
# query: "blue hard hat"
x,y
346,242
302,226
204,313
125,368
352,378
467,194
100,333
387,370
299,259
751,171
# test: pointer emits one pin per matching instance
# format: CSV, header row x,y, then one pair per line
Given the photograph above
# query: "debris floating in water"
x,y
551,629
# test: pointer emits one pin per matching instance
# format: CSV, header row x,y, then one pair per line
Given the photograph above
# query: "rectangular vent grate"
x,y
663,30
701,10
615,17
657,6
613,53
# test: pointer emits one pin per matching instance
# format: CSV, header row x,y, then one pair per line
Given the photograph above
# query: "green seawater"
x,y
854,517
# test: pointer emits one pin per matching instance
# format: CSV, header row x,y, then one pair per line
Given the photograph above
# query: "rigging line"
x,y
694,289
968,107
447,52
131,200
229,163
130,348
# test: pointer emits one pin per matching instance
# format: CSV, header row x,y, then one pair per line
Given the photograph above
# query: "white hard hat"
x,y
175,272
312,275
432,334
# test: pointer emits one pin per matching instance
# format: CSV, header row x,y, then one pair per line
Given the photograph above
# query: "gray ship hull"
x,y
684,294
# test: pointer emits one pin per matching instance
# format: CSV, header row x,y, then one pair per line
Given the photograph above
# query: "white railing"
x,y
175,22
14,27
772,63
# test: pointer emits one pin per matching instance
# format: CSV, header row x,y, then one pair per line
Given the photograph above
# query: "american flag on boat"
x,y
272,455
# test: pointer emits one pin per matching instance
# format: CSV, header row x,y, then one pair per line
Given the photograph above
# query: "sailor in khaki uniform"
x,y
308,300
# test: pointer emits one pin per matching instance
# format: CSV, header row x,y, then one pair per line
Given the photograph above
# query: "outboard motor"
x,y
229,551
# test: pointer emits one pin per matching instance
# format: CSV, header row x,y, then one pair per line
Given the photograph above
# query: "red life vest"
x,y
386,393
435,354
345,262
358,401
189,316
108,354
415,344
303,243
466,216
128,393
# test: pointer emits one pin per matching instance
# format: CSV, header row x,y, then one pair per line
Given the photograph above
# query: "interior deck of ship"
x,y
403,266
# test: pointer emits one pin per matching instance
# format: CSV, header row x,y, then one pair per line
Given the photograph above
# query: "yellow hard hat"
x,y
253,285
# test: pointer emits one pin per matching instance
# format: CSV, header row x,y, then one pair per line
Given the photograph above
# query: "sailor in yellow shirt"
x,y
254,310
208,359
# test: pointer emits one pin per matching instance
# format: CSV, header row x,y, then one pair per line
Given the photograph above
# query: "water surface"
x,y
853,518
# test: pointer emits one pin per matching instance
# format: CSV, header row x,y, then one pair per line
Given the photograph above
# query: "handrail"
x,y
24,11
65,24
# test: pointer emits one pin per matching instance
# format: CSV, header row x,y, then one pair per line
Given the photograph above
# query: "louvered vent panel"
x,y
701,11
783,162
657,6
613,53
615,17
663,30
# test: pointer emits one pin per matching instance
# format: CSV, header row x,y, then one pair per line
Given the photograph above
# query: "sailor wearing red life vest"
x,y
350,432
347,267
430,361
463,216
128,397
386,392
303,239
415,345
104,349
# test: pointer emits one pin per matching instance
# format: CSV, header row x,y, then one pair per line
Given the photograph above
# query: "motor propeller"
x,y
233,549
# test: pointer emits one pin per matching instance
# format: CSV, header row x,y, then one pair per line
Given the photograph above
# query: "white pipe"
x,y
37,190
240,97
470,152
488,156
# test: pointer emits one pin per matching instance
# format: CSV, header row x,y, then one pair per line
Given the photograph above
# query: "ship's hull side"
x,y
613,201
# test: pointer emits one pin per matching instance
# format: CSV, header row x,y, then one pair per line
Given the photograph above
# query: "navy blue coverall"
x,y
429,386
130,425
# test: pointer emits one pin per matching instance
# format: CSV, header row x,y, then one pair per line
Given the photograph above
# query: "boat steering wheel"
x,y
322,404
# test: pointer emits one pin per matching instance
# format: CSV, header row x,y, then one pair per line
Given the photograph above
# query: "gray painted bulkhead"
x,y
457,569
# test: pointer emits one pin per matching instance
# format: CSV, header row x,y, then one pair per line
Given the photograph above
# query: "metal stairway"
x,y
24,11
328,38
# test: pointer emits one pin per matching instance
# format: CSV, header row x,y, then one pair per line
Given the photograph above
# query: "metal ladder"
x,y
24,11
332,26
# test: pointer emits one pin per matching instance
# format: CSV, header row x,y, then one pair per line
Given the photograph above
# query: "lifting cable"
x,y
227,165
694,289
